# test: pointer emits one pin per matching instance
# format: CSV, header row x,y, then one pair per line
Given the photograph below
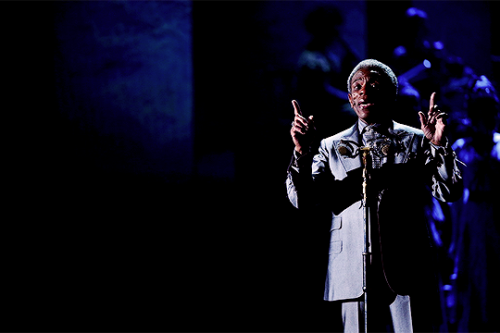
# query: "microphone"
x,y
380,146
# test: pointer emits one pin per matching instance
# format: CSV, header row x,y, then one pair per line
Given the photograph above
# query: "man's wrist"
x,y
300,158
302,151
439,144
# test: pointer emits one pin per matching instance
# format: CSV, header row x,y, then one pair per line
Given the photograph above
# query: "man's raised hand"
x,y
302,130
433,125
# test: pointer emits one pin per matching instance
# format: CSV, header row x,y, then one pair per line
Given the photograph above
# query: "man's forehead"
x,y
366,72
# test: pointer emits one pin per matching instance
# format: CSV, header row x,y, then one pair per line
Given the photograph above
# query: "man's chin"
x,y
372,117
364,114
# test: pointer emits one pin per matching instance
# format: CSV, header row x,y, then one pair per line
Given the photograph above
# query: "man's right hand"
x,y
302,131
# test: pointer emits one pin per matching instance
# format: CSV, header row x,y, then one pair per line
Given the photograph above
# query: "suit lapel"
x,y
352,139
402,143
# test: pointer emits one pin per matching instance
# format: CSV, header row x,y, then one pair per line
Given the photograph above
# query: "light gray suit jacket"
x,y
333,178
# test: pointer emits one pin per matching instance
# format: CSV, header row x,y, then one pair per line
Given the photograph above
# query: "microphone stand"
x,y
366,232
349,148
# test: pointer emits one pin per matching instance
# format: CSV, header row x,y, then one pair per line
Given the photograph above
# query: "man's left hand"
x,y
433,125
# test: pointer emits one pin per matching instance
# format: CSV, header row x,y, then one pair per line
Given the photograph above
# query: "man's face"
x,y
371,95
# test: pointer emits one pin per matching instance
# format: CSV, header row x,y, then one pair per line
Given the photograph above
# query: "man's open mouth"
x,y
366,104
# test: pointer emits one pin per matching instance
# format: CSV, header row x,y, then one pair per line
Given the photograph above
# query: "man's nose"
x,y
362,91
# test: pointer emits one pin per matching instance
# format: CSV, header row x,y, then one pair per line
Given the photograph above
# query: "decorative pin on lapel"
x,y
348,148
343,150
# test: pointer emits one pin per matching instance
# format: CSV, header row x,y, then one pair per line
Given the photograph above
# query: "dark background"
x,y
147,145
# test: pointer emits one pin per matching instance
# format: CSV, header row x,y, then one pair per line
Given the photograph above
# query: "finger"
x,y
311,123
298,129
301,126
301,121
442,115
298,112
441,118
432,101
432,118
296,108
422,117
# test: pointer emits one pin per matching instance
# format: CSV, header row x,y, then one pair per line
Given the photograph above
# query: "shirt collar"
x,y
381,128
361,126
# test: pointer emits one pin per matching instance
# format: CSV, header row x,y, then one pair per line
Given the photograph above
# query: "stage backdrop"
x,y
124,80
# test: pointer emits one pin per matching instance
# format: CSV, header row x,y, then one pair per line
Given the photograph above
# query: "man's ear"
x,y
350,99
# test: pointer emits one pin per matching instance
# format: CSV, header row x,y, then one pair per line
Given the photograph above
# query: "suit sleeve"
x,y
306,177
443,171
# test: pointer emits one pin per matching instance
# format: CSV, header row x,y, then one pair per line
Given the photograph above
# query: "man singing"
x,y
403,166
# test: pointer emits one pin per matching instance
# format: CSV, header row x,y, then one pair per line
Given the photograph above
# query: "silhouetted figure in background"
x,y
458,78
466,232
476,238
322,68
415,49
424,66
